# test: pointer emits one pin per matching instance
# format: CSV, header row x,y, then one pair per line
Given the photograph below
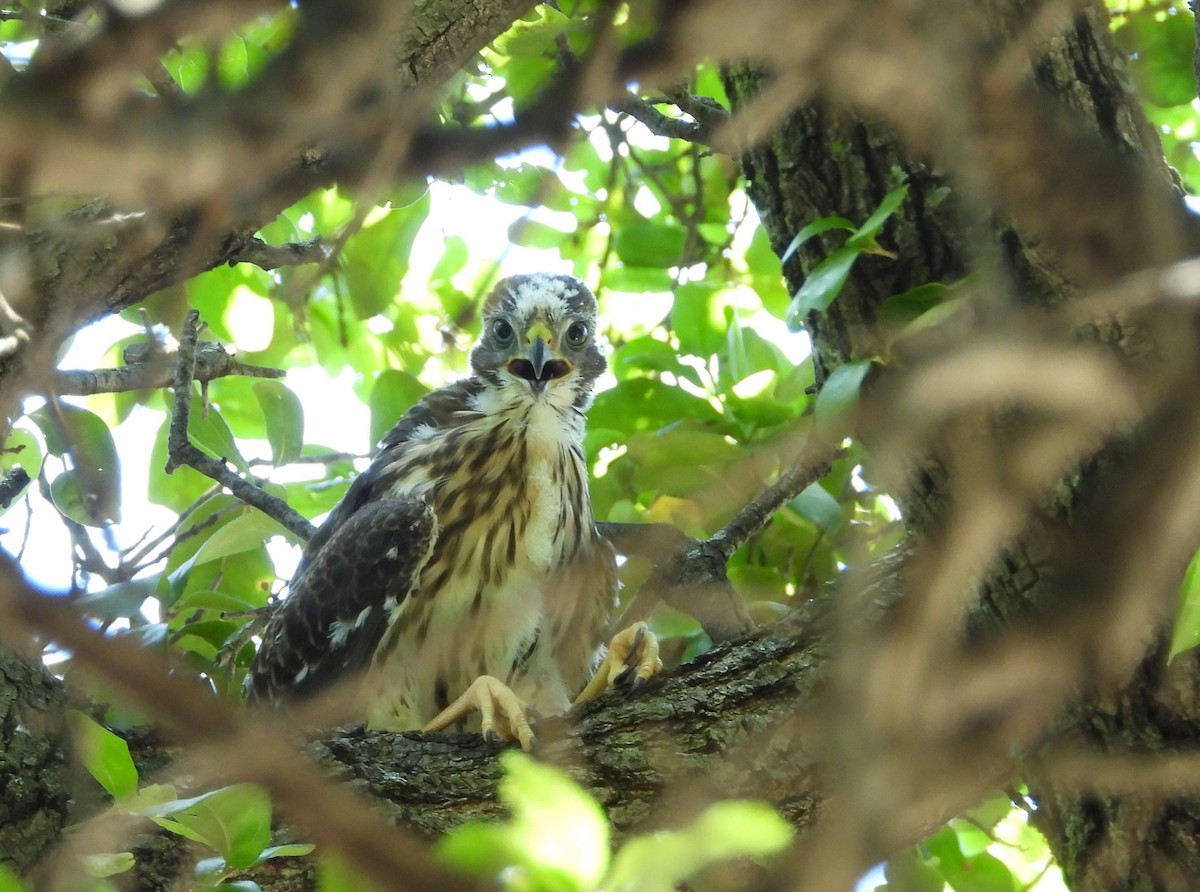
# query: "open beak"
x,y
540,363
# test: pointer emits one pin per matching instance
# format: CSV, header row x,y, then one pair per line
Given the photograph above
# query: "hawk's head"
x,y
539,335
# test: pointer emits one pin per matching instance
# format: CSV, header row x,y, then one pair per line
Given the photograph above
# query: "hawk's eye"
x,y
577,334
502,331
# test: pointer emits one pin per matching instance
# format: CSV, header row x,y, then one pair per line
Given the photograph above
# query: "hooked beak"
x,y
540,364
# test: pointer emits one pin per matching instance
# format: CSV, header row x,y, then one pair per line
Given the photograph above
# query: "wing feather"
x,y
340,604
356,570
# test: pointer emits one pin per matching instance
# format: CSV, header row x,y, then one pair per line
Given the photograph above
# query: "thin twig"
x,y
325,458
181,451
812,464
138,552
690,575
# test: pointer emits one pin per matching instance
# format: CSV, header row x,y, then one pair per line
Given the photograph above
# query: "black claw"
x,y
631,658
533,742
636,685
623,678
491,736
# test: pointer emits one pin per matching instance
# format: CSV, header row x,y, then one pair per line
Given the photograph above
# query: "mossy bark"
x,y
825,160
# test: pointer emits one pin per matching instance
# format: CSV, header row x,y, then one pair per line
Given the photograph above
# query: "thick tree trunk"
x,y
34,794
827,159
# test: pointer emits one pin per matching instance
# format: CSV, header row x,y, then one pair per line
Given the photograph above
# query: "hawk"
x,y
462,571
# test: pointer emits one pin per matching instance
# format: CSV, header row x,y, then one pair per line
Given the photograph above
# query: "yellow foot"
x,y
631,659
501,712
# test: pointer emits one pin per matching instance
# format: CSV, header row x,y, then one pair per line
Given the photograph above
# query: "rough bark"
x,y
828,158
34,794
752,718
736,722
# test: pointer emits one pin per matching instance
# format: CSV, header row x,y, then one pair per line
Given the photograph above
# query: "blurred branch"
x,y
269,257
707,115
690,575
659,123
181,451
226,744
12,484
14,328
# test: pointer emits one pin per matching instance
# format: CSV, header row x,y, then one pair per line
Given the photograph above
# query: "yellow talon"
x,y
632,657
502,714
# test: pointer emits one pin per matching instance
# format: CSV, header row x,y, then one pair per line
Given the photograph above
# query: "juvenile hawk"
x,y
464,562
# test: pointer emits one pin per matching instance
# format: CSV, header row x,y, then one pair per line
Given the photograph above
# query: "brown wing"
x,y
340,603
356,571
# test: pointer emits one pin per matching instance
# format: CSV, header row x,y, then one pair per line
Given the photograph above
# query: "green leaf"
x,y
9,882
533,38
643,404
557,832
817,505
188,68
554,820
375,258
908,872
648,354
106,865
902,309
741,829
23,450
1161,45
838,397
659,862
85,441
245,532
208,430
235,821
121,599
823,285
864,236
285,420
815,228
535,234
179,489
232,64
69,498
454,258
335,875
1186,634
104,755
394,393
288,850
696,320
981,873
206,599
658,245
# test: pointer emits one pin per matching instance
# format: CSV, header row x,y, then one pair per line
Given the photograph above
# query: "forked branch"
x,y
181,450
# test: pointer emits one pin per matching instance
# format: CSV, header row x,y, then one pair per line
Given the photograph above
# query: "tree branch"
x,y
181,451
265,256
151,366
657,122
